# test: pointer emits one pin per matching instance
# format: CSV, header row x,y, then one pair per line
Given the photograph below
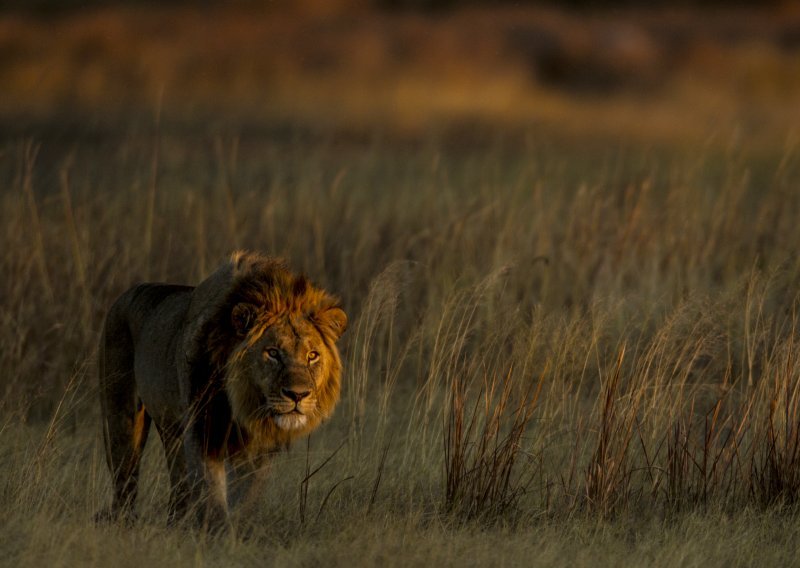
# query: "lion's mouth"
x,y
285,409
290,420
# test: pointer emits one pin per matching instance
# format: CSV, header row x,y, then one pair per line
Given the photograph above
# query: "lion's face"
x,y
286,370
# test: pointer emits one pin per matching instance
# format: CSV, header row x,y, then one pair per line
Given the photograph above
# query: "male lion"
x,y
229,371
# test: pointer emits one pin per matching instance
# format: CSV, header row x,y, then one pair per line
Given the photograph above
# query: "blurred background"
x,y
672,72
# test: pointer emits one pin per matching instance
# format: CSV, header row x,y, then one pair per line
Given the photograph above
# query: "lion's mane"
x,y
277,293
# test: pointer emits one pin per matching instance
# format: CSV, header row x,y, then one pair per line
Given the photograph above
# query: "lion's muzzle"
x,y
296,407
295,393
293,403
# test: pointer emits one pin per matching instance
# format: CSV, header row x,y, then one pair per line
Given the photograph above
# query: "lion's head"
x,y
275,341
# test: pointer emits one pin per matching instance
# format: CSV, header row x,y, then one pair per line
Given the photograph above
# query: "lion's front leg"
x,y
209,497
247,482
203,489
216,502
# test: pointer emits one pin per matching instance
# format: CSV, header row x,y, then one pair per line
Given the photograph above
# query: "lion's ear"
x,y
333,319
242,317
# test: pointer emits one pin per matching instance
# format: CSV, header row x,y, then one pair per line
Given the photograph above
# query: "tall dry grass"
x,y
540,333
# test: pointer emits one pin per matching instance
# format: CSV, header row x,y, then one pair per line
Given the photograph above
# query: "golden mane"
x,y
274,291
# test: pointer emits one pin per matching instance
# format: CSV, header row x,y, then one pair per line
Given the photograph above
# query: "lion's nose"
x,y
295,394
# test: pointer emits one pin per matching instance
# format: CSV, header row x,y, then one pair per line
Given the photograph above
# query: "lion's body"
x,y
196,363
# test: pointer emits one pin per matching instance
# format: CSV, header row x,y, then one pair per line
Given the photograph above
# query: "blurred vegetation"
x,y
583,4
513,68
60,6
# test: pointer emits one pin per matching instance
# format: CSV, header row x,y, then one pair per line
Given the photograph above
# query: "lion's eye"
x,y
272,353
313,356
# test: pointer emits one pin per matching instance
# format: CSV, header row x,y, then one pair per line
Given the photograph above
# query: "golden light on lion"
x,y
228,372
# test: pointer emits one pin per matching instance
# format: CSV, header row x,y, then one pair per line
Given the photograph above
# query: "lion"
x,y
230,372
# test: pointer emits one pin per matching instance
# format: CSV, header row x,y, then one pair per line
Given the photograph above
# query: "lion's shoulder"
x,y
142,303
148,295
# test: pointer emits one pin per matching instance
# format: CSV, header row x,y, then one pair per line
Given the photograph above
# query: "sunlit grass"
x,y
556,351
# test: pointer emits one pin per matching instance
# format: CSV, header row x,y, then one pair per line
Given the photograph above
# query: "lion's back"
x,y
140,337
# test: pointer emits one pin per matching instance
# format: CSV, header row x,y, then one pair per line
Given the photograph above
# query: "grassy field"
x,y
567,346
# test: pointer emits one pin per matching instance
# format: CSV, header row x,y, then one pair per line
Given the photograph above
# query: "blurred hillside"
x,y
44,6
671,73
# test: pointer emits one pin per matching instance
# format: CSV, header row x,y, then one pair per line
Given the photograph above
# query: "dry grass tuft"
x,y
483,444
